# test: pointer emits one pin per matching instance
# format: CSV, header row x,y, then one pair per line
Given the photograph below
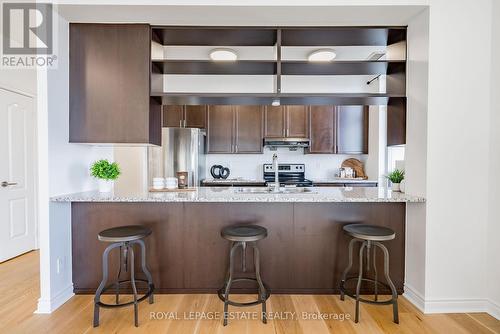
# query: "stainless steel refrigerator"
x,y
182,150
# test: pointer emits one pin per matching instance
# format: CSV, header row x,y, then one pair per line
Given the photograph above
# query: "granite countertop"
x,y
232,194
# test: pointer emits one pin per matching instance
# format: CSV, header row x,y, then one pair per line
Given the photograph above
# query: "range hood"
x,y
286,142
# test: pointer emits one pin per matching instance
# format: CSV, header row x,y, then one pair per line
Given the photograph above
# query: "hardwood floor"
x,y
19,284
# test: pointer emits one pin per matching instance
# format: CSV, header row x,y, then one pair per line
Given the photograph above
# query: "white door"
x,y
17,207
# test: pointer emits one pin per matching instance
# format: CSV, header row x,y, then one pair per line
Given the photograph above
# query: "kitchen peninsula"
x,y
305,251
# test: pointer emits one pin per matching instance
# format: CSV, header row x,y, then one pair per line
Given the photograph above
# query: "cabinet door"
x,y
173,116
195,116
248,129
297,121
396,123
220,129
109,82
321,129
352,129
274,124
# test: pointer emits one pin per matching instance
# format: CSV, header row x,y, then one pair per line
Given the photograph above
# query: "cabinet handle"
x,y
6,184
185,123
180,123
236,148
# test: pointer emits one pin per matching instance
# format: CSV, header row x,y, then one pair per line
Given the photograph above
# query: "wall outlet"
x,y
59,265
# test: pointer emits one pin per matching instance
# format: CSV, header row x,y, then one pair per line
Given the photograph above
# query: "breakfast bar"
x,y
305,251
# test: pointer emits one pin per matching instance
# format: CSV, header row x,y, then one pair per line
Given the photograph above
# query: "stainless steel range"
x,y
288,175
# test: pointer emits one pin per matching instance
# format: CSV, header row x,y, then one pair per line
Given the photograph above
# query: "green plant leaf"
x,y
105,170
396,176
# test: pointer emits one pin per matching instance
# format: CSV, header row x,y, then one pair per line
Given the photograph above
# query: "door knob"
x,y
6,184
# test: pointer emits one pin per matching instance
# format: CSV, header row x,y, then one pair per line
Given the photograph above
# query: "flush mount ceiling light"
x,y
322,55
223,55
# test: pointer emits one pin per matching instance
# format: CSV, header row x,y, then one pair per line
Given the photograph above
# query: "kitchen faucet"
x,y
276,173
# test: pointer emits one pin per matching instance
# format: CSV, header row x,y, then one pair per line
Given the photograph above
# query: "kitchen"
x,y
202,139
270,142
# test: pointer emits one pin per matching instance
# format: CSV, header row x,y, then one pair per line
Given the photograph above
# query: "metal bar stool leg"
x,y
244,256
117,285
134,288
262,289
349,266
375,273
102,285
360,277
389,281
229,280
145,269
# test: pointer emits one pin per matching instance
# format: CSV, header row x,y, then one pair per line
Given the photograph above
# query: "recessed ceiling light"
x,y
322,55
223,55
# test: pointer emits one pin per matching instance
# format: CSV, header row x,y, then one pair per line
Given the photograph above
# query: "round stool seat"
x,y
124,233
245,233
369,232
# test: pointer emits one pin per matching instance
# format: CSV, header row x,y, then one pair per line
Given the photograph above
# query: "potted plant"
x,y
396,176
106,172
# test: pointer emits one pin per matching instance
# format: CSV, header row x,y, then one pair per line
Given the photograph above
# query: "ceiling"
x,y
240,15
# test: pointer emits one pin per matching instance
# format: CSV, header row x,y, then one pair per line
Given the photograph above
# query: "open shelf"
x,y
285,99
342,36
277,73
216,36
342,67
203,67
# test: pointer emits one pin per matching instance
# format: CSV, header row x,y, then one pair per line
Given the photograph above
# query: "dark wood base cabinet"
x,y
305,251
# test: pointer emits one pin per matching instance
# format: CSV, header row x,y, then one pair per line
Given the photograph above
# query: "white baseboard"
x,y
466,305
493,309
414,297
46,306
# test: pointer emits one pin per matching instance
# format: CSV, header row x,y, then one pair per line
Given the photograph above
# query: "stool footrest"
x,y
253,303
368,301
148,293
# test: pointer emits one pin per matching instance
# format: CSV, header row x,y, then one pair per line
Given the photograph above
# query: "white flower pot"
x,y
402,186
395,187
105,186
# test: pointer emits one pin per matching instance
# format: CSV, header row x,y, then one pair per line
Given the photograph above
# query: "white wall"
x,y
318,166
457,138
493,230
64,168
416,155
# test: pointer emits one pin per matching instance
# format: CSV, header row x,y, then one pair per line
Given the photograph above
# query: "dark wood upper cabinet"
x,y
286,121
173,116
297,119
352,129
396,123
220,129
185,116
275,122
322,129
195,116
248,126
109,85
235,129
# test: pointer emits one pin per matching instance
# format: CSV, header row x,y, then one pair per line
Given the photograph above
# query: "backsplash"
x,y
249,166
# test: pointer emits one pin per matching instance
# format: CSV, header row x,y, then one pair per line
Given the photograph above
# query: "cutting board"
x,y
357,166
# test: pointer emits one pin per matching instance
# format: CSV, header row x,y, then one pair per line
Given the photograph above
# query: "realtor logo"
x,y
27,28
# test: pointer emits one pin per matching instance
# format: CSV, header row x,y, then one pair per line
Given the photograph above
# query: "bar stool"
x,y
368,236
240,236
124,237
